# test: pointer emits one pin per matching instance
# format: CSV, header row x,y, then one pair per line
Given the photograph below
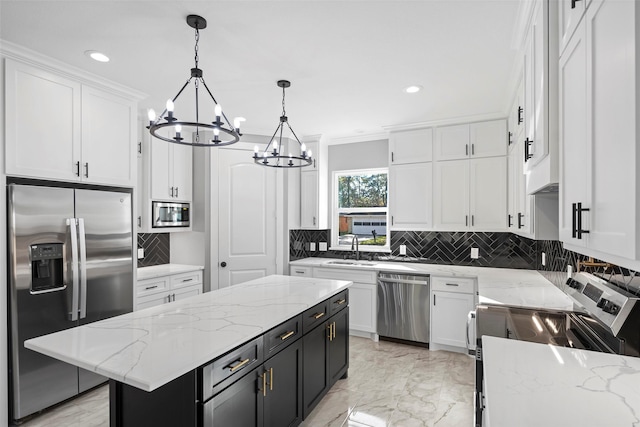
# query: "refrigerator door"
x,y
40,297
106,269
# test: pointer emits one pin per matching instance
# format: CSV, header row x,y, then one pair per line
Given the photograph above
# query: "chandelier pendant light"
x,y
224,132
274,155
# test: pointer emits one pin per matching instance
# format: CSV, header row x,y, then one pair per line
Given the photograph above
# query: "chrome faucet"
x,y
355,239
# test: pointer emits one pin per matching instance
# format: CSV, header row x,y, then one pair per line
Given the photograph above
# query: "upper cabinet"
x,y
599,113
170,170
313,188
485,139
570,13
413,146
59,128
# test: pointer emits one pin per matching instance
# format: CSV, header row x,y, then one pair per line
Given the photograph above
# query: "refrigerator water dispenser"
x,y
47,267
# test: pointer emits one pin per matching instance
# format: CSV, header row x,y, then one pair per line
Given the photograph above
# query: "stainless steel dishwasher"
x,y
403,306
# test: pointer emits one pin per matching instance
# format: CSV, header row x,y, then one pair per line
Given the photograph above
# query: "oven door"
x,y
167,214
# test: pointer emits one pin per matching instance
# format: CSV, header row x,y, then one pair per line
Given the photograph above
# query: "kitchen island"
x,y
171,351
530,384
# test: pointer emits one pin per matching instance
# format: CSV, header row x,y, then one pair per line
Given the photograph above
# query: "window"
x,y
360,209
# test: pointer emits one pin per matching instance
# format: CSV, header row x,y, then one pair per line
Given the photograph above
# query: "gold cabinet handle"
x,y
334,329
239,365
330,332
287,335
271,379
340,301
318,315
264,384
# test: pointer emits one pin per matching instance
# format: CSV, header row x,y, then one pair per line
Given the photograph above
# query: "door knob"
x,y
223,264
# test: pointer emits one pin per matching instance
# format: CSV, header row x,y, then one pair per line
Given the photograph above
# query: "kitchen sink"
x,y
353,262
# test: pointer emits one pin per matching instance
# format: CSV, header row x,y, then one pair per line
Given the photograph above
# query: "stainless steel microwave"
x,y
170,214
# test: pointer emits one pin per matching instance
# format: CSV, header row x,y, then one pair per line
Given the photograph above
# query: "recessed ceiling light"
x,y
98,56
412,89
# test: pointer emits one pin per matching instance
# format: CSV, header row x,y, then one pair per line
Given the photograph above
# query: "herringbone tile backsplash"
x,y
157,249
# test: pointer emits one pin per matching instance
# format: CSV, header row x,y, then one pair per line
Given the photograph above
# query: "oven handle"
x,y
470,317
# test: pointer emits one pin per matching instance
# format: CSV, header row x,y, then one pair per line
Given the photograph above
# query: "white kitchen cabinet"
x,y
300,271
363,297
410,196
599,201
58,128
170,171
168,288
471,194
451,301
474,140
313,189
413,146
570,13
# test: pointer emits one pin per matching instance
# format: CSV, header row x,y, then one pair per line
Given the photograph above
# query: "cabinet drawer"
x,y
282,335
453,284
344,274
230,367
315,316
296,270
152,286
338,302
186,279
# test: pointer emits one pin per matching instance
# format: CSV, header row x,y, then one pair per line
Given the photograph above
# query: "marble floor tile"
x,y
389,385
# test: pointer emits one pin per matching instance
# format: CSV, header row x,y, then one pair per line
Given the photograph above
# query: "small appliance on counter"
x,y
170,214
607,320
70,262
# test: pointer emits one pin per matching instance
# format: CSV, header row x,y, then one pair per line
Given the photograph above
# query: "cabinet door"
x,y
108,138
410,196
315,367
241,404
412,146
309,199
160,176
182,165
451,195
363,306
449,317
538,93
573,132
153,300
488,193
512,185
452,142
283,400
529,97
523,219
613,136
186,292
488,139
569,15
338,354
42,119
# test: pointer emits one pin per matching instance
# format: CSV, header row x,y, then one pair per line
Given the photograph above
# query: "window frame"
x,y
335,211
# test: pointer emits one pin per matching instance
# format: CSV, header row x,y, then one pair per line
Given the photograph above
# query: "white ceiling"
x,y
348,61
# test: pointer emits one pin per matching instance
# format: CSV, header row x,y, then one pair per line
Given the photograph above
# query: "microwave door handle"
x,y
83,268
73,235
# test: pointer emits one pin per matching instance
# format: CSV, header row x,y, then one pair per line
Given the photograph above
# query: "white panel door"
x,y
410,196
449,312
309,199
43,130
488,193
108,138
411,146
247,218
488,138
452,142
451,195
161,182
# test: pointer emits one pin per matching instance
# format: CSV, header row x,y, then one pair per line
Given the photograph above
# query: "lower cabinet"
x,y
164,289
451,301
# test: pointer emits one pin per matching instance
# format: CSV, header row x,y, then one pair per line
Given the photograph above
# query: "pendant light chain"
x,y
284,113
196,47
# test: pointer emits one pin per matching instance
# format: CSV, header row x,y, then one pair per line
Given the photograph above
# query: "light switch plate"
x,y
475,253
140,253
403,249
312,246
323,246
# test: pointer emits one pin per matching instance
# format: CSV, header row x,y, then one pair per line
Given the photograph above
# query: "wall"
x,y
157,249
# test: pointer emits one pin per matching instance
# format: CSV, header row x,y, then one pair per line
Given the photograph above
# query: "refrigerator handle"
x,y
73,234
83,269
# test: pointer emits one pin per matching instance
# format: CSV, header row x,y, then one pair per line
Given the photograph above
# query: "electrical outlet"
x,y
475,253
323,246
140,253
544,259
403,249
312,246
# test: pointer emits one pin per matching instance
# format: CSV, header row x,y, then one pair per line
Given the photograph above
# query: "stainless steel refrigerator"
x,y
70,261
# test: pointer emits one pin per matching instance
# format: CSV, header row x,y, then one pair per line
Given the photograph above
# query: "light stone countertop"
x,y
522,288
533,385
149,348
165,270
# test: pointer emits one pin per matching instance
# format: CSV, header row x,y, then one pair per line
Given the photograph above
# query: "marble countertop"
x,y
529,384
164,270
522,288
149,348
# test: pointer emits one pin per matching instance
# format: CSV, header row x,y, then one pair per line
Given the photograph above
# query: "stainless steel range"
x,y
606,319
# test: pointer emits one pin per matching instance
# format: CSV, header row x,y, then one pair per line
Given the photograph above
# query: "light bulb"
x,y
236,123
169,105
303,147
290,156
275,145
216,131
217,110
178,128
152,115
264,154
255,149
310,153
